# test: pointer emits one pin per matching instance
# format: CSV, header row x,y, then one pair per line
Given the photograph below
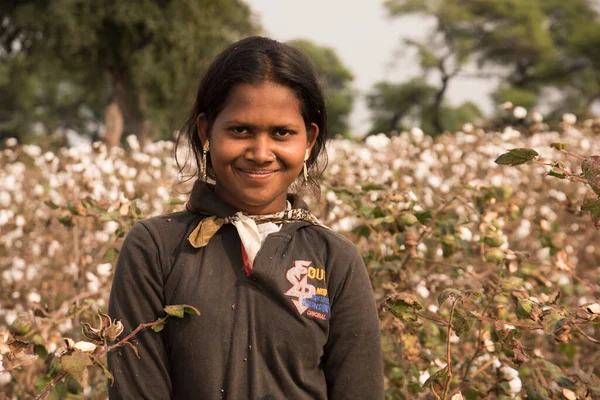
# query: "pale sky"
x,y
366,40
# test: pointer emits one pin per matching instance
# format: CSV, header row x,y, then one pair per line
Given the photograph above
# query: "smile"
x,y
257,175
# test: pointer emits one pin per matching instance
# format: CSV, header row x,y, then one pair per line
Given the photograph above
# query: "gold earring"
x,y
305,168
205,149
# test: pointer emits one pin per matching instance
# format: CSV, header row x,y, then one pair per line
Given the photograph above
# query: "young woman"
x,y
287,309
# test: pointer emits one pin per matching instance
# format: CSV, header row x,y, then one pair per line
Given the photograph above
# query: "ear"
x,y
311,134
202,127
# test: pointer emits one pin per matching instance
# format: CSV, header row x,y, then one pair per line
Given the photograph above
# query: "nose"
x,y
260,150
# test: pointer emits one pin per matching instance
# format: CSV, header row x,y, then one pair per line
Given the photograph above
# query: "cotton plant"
x,y
480,269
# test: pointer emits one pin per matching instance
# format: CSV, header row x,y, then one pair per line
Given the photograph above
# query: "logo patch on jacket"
x,y
307,297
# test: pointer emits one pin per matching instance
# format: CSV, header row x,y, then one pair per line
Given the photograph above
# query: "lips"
x,y
257,174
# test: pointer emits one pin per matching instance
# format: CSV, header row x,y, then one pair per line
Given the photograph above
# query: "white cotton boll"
x,y
515,386
347,224
71,269
465,233
19,263
20,221
432,308
104,269
421,170
129,187
519,112
417,134
53,248
48,156
84,346
331,196
5,216
5,377
110,227
569,118
5,199
496,180
422,291
454,338
509,373
584,144
11,142
524,229
155,162
38,190
10,317
32,150
34,297
133,142
378,142
468,127
65,327
537,116
423,376
422,247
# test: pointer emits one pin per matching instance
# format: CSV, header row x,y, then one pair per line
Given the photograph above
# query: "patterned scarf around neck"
x,y
247,228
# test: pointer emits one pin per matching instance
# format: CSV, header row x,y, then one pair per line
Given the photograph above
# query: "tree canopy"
x,y
146,56
335,79
532,46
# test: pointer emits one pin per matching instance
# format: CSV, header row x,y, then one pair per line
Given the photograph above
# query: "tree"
x,y
151,51
335,78
397,106
532,43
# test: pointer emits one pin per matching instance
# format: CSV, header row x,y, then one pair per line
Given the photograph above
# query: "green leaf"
x,y
423,216
180,309
110,255
59,392
557,173
106,372
438,375
112,216
191,310
51,204
592,205
75,364
449,293
558,146
176,202
404,306
517,157
552,322
158,327
461,324
528,309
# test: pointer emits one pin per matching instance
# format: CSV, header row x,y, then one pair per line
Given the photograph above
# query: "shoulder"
x,y
334,247
165,231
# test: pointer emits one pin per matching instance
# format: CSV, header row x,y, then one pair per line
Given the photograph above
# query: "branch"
x,y
591,339
448,356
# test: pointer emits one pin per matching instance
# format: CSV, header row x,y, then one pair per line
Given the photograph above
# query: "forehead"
x,y
261,100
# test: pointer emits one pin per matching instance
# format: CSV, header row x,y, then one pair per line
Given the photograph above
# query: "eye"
x,y
240,130
282,133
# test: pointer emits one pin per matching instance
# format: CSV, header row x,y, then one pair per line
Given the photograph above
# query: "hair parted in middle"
x,y
255,60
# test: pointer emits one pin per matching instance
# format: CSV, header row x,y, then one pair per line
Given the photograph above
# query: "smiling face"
x,y
257,146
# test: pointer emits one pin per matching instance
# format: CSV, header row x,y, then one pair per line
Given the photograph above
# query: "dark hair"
x,y
253,60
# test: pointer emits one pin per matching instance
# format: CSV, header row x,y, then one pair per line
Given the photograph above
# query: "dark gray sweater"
x,y
303,325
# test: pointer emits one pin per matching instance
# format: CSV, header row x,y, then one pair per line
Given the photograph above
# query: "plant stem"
x,y
448,358
591,339
132,334
59,377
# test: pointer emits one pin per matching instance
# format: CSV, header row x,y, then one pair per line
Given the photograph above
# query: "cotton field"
x,y
510,246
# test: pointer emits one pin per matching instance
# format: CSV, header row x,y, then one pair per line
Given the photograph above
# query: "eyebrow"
x,y
253,126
